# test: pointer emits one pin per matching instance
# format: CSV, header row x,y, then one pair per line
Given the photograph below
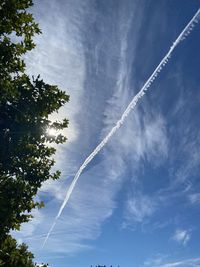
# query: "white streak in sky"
x,y
186,31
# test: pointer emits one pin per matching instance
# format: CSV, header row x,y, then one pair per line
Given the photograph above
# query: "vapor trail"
x,y
185,32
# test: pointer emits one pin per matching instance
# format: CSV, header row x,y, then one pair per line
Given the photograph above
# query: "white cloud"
x,y
90,205
93,199
156,260
160,260
140,207
59,56
194,198
186,150
27,229
193,262
55,189
182,236
141,137
156,139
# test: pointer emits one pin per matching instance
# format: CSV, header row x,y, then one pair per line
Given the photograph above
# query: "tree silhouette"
x,y
25,147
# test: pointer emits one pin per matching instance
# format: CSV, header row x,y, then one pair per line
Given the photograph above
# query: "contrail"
x,y
185,32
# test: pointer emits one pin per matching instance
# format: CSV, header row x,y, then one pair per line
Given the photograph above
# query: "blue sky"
x,y
137,203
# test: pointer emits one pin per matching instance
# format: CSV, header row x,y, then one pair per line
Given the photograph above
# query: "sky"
x,y
137,204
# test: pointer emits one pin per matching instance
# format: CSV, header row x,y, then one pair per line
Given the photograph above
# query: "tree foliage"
x,y
12,255
25,106
16,23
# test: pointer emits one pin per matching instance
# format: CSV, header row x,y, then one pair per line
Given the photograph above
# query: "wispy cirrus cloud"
x,y
193,262
148,143
140,207
97,69
92,203
59,55
155,260
182,236
161,261
94,198
194,198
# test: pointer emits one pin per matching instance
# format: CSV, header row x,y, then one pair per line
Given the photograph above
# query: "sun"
x,y
52,132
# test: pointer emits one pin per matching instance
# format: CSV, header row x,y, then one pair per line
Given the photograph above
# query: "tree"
x,y
25,106
25,158
12,254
